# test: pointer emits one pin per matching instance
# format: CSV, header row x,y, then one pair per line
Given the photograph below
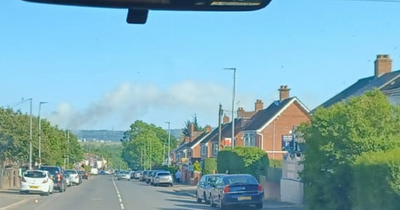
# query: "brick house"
x,y
383,79
269,126
190,148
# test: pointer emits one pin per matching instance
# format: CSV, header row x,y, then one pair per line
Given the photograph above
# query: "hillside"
x,y
109,135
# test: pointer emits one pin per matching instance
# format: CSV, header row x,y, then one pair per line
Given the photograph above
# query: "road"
x,y
105,193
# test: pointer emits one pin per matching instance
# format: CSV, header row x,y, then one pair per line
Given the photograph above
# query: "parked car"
x,y
74,176
132,174
68,180
143,177
237,189
163,178
153,175
148,176
84,174
137,174
203,190
124,175
57,174
37,181
94,171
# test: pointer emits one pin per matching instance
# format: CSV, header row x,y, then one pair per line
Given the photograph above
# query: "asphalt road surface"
x,y
105,193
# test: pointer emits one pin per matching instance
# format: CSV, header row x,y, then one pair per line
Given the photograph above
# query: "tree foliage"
x,y
251,160
187,123
144,144
15,140
336,137
209,166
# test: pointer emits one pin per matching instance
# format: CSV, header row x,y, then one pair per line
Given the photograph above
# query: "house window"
x,y
204,149
249,139
215,149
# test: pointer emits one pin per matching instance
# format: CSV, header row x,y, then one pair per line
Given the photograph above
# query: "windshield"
x,y
303,95
241,180
70,172
35,174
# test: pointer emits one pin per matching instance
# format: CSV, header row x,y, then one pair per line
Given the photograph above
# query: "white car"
x,y
163,178
73,176
124,175
37,181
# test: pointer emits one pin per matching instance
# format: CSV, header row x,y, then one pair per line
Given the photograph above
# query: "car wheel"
x,y
197,196
212,204
205,198
259,205
222,206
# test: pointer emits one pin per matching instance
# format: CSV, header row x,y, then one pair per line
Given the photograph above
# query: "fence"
x,y
9,178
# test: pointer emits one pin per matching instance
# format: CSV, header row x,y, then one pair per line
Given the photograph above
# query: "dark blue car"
x,y
237,189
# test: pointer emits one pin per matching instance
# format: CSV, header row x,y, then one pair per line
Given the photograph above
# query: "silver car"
x,y
163,178
203,190
124,175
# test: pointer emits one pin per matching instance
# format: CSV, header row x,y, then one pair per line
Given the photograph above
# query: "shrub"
x,y
196,166
209,166
377,180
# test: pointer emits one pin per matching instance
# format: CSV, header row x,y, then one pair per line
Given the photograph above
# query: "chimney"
x,y
208,128
226,119
383,65
259,105
240,112
283,92
191,129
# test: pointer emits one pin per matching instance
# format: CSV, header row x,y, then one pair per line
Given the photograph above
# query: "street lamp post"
x,y
169,143
30,134
233,107
40,134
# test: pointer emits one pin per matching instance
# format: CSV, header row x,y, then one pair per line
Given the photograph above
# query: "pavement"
x,y
268,204
11,198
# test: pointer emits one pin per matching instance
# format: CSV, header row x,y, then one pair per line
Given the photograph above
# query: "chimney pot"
x,y
259,105
383,65
226,119
283,92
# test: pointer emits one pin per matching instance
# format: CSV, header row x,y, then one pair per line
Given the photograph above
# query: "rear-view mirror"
x,y
138,9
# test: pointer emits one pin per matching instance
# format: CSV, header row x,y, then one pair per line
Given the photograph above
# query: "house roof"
x,y
197,140
384,82
265,116
213,134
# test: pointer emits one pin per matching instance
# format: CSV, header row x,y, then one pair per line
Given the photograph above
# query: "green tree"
x,y
196,166
335,137
15,140
187,124
145,142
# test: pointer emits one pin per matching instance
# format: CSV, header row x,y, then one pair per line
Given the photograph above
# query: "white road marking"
x,y
121,204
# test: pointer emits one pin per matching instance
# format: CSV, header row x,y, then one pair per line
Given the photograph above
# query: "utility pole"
x,y
40,134
30,135
68,148
233,107
151,153
220,112
164,155
169,143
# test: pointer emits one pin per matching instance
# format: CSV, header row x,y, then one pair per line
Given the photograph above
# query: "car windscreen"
x,y
35,174
70,172
241,180
163,174
51,170
212,179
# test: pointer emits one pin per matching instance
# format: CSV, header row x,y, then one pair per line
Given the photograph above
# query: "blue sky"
x,y
98,72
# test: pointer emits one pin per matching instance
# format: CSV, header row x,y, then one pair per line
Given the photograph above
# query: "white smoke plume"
x,y
129,102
